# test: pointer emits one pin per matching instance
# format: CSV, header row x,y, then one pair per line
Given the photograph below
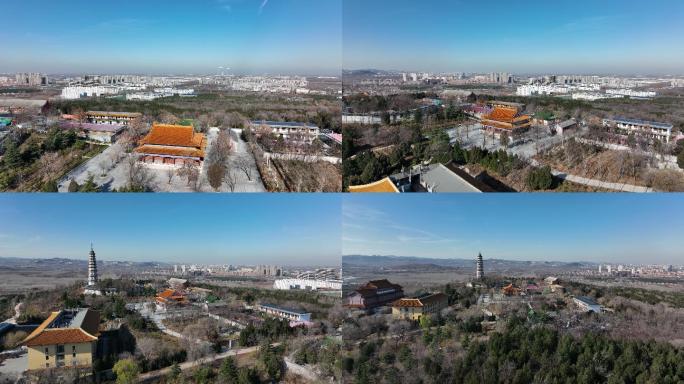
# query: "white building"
x,y
648,129
357,118
632,93
536,89
287,130
72,93
307,284
284,313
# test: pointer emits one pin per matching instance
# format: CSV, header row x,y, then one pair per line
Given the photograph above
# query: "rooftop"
x,y
114,114
66,326
441,178
284,309
567,123
22,103
382,186
586,300
91,126
642,122
420,301
282,123
173,140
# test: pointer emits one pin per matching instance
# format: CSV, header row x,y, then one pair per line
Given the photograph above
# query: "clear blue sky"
x,y
171,36
284,229
553,227
522,36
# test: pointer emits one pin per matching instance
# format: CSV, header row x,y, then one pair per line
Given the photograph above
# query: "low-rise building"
x,y
564,127
587,304
307,284
28,106
375,293
426,178
67,338
116,118
99,133
288,130
415,308
648,129
438,178
284,313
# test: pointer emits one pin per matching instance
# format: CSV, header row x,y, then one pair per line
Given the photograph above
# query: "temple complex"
x,y
506,118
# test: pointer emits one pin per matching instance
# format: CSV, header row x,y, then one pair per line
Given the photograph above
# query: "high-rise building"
x,y
479,273
92,287
31,79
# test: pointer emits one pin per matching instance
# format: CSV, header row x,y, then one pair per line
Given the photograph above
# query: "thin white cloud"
x,y
263,4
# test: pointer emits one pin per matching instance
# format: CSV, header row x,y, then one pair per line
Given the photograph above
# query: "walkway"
x,y
620,187
196,363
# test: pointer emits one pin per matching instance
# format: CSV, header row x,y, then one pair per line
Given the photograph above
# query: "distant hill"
x,y
60,263
366,72
491,264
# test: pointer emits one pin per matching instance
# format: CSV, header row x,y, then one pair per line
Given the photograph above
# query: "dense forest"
x,y
521,354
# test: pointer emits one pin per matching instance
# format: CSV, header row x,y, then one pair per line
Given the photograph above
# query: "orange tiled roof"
x,y
42,326
61,336
384,185
407,303
174,135
420,301
502,114
170,294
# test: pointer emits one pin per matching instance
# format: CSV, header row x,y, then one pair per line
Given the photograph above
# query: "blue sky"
x,y
172,36
284,229
552,227
523,36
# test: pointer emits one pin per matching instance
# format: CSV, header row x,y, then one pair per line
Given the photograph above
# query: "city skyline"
x,y
597,228
175,36
295,230
582,37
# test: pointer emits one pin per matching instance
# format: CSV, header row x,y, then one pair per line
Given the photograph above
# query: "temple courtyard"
x,y
110,170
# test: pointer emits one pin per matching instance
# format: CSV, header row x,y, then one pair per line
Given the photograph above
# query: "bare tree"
x,y
169,174
190,170
168,118
216,173
139,177
104,165
230,178
223,146
244,163
136,129
50,165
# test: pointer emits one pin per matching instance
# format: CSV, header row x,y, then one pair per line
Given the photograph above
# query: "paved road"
x,y
92,167
302,371
241,149
157,318
306,158
196,363
529,149
620,187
